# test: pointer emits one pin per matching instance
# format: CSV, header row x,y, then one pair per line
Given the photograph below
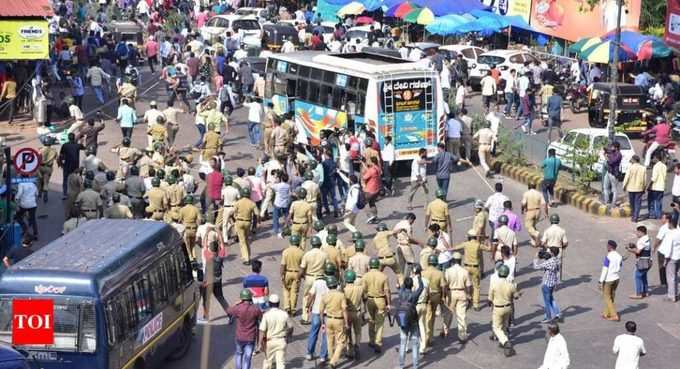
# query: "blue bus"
x,y
123,292
390,96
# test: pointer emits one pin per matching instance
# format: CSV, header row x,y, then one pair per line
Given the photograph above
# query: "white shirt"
x,y
387,153
523,85
611,267
669,238
495,205
142,7
556,354
445,77
352,198
510,84
460,95
26,195
287,47
254,111
319,289
151,116
511,263
488,86
675,189
628,349
418,169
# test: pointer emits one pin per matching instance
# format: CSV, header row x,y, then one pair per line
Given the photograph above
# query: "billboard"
x,y
510,7
574,19
672,34
24,40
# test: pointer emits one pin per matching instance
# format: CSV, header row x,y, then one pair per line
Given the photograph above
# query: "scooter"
x,y
576,96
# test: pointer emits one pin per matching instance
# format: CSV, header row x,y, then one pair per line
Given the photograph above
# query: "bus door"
x,y
408,115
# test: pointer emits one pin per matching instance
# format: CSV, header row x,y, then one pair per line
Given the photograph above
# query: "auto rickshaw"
x,y
128,31
274,35
630,107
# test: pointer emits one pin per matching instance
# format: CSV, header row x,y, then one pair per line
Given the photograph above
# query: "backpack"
x,y
406,314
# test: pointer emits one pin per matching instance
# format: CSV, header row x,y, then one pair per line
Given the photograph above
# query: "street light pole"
x,y
613,95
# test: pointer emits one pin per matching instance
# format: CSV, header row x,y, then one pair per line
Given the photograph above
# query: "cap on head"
x,y
294,240
126,141
228,180
246,295
503,219
374,263
350,276
479,204
554,219
332,229
332,239
316,242
274,299
432,260
331,282
359,245
245,192
155,181
441,194
188,199
301,193
318,225
309,175
503,271
457,256
313,163
171,179
357,235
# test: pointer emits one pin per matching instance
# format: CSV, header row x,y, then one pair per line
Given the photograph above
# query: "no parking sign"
x,y
27,161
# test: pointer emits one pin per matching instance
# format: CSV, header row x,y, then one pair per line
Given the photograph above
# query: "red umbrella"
x,y
364,20
403,9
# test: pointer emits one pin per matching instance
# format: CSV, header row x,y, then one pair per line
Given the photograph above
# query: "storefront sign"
x,y
672,36
510,7
574,19
24,40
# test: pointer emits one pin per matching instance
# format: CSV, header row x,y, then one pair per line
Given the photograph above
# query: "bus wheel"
x,y
184,342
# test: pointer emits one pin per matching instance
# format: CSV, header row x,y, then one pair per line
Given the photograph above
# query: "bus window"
x,y
160,294
291,91
359,110
304,71
316,74
293,69
271,64
363,85
326,96
329,77
339,99
279,86
87,341
302,89
313,95
129,309
269,85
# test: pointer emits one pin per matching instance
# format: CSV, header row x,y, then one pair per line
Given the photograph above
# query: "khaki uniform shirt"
x,y
75,184
359,264
485,136
128,154
189,216
554,236
381,241
212,141
333,255
479,224
301,212
533,200
472,252
175,194
437,210
424,255
333,304
279,137
291,258
502,292
158,199
403,232
506,236
157,132
48,155
244,210
375,284
118,211
457,280
436,279
354,294
89,200
312,191
275,323
313,262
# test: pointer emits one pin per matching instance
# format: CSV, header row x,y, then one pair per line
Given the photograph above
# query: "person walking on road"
x,y
628,348
26,200
418,176
406,316
276,328
551,169
670,248
610,180
486,138
69,160
247,318
444,163
643,262
335,320
634,184
127,117
548,261
609,280
554,106
656,188
556,354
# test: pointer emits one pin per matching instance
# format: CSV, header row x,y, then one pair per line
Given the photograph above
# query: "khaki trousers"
x,y
500,319
376,319
475,279
458,306
435,301
335,336
242,229
227,222
291,287
608,294
275,352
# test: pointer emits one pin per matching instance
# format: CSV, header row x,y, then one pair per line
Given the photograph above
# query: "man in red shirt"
x,y
662,134
213,190
372,183
151,52
247,318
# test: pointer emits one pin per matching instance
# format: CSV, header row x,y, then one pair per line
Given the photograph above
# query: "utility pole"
x,y
613,95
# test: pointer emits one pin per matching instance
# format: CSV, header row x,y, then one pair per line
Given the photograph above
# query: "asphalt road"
x,y
589,337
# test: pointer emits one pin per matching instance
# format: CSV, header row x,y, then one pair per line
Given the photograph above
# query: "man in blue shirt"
x,y
551,168
555,114
127,117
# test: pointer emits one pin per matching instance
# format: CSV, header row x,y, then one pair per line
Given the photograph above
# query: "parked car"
x,y
469,53
504,60
261,14
361,33
217,26
590,140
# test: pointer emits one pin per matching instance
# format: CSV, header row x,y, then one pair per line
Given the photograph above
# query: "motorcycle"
x,y
577,97
666,152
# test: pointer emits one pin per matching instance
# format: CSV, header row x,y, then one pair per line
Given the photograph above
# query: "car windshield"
x,y
218,22
246,12
246,24
356,34
491,59
601,141
75,327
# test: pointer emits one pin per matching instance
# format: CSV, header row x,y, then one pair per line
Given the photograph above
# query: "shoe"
x,y
532,133
546,321
309,357
370,220
305,322
201,320
280,235
636,297
476,308
377,349
247,262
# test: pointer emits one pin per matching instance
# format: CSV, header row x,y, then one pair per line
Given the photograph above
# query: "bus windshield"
x,y
74,325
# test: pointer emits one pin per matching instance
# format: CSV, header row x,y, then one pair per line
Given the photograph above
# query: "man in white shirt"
x,y
387,154
510,88
288,46
151,119
556,354
418,176
675,189
659,248
609,280
523,84
488,84
628,348
670,248
494,204
27,193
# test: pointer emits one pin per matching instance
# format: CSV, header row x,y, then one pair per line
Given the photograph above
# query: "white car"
x,y
260,13
248,27
469,53
504,60
591,140
360,33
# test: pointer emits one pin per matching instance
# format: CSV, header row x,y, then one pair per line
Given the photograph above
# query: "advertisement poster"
x,y
672,35
312,119
407,115
510,7
24,40
574,19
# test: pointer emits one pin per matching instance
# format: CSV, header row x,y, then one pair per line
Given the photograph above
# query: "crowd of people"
x,y
304,190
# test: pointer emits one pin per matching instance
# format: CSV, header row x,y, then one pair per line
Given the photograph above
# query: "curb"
x,y
566,196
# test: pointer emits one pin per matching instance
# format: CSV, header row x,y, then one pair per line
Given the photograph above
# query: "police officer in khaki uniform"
x,y
501,295
333,253
117,210
212,142
311,268
230,194
426,252
404,233
135,189
290,268
481,219
48,156
157,132
358,263
300,216
556,236
157,200
190,217
268,126
458,288
175,192
436,285
532,203
354,293
472,261
377,293
313,192
275,328
381,241
351,250
505,237
437,212
127,156
245,211
90,202
335,320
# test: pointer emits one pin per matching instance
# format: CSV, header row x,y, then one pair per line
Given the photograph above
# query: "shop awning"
x,y
25,8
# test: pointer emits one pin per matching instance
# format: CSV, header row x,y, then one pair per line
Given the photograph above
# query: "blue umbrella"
x,y
445,7
485,26
339,2
443,26
372,5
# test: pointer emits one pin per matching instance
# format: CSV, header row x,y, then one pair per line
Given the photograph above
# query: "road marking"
x,y
464,218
